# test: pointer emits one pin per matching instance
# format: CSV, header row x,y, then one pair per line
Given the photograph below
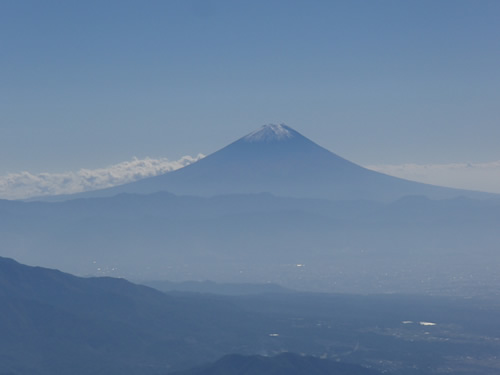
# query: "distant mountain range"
x,y
277,159
411,245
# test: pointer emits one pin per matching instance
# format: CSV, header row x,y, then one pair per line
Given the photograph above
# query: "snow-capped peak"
x,y
270,132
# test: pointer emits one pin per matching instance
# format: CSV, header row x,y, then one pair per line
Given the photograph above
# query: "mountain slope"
x,y
279,160
56,323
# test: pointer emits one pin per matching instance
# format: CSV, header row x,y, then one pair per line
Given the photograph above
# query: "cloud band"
x,y
25,184
471,176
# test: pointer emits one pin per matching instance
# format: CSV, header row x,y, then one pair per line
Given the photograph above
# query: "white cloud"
x,y
25,184
472,176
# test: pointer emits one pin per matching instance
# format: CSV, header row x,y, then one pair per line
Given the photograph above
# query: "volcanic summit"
x,y
279,160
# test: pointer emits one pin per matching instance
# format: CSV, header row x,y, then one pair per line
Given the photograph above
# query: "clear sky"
x,y
85,84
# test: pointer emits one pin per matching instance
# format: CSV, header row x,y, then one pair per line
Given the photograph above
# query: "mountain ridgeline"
x,y
277,159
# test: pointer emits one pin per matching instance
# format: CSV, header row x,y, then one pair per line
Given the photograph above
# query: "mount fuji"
x,y
279,160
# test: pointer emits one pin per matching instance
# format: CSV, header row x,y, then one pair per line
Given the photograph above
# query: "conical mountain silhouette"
x,y
277,159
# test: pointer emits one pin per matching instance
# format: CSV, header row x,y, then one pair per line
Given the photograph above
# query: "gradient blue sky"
x,y
91,83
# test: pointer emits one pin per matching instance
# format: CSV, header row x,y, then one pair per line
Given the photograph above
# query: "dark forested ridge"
x,y
52,322
55,323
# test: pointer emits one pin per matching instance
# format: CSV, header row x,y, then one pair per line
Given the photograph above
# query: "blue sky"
x,y
85,84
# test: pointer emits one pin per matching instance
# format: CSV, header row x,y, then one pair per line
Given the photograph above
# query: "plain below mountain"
x,y
211,287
